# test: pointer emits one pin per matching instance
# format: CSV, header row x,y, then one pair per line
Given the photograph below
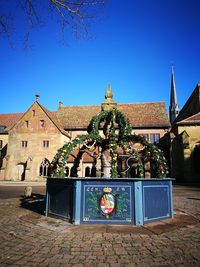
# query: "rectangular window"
x,y
33,113
26,124
45,143
157,138
154,138
24,144
42,123
146,136
2,128
1,144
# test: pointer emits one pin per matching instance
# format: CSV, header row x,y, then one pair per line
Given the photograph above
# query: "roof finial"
x,y
37,96
108,94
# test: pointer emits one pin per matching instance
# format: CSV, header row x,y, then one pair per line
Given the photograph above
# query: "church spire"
x,y
173,108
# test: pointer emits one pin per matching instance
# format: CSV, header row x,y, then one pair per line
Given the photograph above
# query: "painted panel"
x,y
156,201
60,199
108,202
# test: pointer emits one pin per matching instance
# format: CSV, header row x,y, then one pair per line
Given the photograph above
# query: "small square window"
x,y
46,143
42,123
24,144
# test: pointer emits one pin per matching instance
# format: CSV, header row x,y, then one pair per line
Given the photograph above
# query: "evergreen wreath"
x,y
117,131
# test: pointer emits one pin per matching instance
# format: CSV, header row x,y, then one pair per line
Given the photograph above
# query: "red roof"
x,y
141,115
8,120
193,120
54,119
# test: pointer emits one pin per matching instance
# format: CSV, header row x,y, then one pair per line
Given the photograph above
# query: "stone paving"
x,y
30,239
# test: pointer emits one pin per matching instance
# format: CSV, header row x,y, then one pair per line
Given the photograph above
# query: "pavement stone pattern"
x,y
28,238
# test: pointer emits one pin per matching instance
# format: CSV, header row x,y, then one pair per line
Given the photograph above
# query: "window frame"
x,y
27,123
154,138
24,143
42,124
46,143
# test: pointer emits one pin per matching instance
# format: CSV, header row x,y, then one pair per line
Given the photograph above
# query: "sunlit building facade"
x,y
30,140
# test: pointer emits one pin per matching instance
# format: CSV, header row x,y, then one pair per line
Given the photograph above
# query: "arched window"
x,y
87,171
45,168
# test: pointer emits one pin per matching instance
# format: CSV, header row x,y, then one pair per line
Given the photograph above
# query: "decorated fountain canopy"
x,y
113,146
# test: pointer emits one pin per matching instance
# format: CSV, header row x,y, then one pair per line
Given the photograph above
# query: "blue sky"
x,y
133,45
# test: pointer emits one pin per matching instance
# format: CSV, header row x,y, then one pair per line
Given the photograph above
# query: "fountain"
x,y
130,184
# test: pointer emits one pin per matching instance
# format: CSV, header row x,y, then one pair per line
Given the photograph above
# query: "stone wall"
x,y
32,140
182,153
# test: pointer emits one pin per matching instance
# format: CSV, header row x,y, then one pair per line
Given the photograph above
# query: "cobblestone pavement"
x,y
30,239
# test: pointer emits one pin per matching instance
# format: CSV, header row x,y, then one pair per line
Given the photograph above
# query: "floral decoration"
x,y
117,131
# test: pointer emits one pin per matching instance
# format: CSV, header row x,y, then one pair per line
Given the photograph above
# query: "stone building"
x,y
185,141
30,140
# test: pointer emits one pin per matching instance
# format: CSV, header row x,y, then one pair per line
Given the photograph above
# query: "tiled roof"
x,y
152,114
10,119
191,107
77,117
193,120
54,119
141,115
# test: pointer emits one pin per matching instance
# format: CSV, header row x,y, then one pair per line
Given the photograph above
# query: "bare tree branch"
x,y
73,15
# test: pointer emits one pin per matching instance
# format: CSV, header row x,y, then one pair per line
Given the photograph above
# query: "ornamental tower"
x,y
173,108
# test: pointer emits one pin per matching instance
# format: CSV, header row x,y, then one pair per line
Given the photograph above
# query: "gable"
x,y
36,120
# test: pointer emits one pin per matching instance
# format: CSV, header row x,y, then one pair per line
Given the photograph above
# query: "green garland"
x,y
135,154
59,162
114,120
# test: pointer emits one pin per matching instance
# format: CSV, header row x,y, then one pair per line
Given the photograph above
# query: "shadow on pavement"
x,y
34,203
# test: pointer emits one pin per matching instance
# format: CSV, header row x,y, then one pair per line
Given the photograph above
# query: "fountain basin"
x,y
134,201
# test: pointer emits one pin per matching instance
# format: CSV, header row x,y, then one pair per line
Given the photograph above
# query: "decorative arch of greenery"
x,y
117,131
